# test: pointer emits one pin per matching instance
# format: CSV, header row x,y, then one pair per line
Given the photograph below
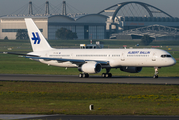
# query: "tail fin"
x,y
37,40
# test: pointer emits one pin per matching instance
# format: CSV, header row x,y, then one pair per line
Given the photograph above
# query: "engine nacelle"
x,y
131,69
90,67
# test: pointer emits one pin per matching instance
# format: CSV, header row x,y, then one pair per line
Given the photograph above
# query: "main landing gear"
x,y
104,75
83,75
107,74
156,72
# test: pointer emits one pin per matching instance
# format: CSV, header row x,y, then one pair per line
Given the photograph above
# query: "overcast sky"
x,y
7,7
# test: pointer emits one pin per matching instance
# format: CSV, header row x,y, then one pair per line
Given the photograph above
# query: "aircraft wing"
x,y
75,61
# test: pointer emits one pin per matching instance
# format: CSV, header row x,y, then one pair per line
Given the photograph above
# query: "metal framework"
x,y
64,8
30,8
47,11
144,5
153,31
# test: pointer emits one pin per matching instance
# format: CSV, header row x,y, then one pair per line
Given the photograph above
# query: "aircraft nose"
x,y
173,61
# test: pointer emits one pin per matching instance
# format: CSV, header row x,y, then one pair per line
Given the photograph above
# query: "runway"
x,y
91,79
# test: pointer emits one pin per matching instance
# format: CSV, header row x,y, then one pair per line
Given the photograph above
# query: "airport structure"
x,y
90,26
122,21
130,20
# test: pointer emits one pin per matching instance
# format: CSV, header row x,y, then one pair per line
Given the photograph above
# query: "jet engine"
x,y
131,69
90,67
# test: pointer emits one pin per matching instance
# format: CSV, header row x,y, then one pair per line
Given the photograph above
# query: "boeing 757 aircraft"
x,y
91,61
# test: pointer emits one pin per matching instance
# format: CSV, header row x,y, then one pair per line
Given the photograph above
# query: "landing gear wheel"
x,y
80,75
86,75
155,76
109,75
106,75
156,73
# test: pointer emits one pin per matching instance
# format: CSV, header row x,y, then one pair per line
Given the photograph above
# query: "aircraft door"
x,y
123,56
154,56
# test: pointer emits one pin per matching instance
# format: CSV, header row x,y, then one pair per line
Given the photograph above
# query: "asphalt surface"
x,y
91,79
86,117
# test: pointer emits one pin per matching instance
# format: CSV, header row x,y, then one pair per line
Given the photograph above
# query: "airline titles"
x,y
139,52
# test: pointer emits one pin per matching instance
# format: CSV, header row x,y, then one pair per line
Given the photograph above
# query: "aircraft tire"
x,y
155,76
109,75
103,75
106,75
80,75
86,75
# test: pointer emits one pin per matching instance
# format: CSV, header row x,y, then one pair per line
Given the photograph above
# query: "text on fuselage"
x,y
139,52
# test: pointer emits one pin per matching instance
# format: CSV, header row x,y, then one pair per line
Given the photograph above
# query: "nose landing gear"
x,y
156,73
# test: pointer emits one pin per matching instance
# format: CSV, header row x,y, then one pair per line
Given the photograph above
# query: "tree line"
x,y
61,33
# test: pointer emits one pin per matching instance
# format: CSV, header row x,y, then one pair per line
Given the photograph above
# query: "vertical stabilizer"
x,y
37,40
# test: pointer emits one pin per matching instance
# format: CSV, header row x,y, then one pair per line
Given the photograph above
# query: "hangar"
x,y
92,26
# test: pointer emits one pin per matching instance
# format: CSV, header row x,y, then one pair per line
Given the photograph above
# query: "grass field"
x,y
75,98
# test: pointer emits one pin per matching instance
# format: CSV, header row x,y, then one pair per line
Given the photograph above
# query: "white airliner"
x,y
91,61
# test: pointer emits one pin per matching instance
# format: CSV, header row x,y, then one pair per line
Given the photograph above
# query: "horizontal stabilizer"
x,y
20,54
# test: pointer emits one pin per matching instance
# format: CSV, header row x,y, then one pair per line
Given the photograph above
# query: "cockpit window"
x,y
163,56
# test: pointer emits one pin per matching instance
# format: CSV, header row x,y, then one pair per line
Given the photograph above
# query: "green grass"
x,y
75,98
